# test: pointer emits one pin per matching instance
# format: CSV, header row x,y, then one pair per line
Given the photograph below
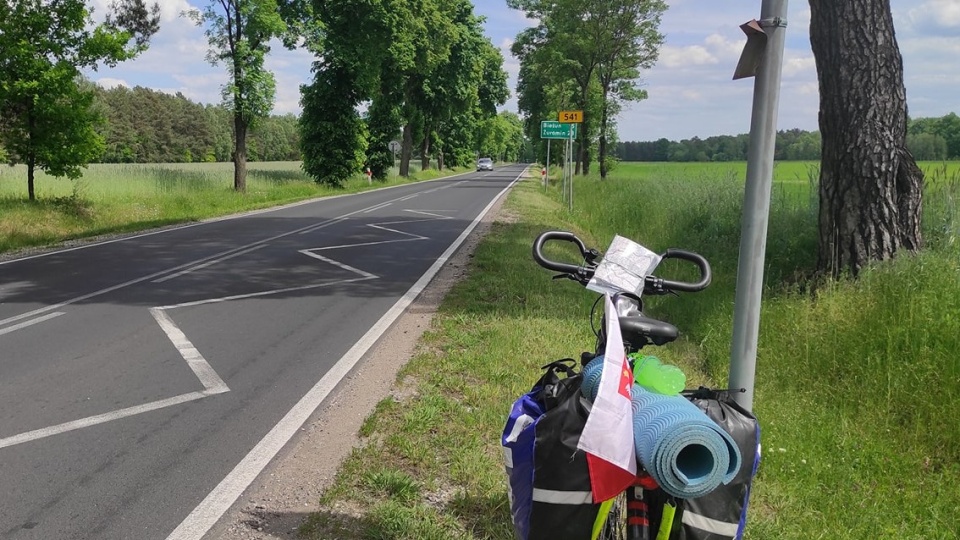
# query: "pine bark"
x,y
870,185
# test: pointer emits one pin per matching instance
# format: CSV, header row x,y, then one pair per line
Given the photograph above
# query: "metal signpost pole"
x,y
564,189
756,203
570,144
546,180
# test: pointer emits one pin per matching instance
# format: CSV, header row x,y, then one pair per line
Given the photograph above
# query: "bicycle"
x,y
628,515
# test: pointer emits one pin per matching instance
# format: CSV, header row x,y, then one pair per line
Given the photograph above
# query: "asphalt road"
x,y
144,382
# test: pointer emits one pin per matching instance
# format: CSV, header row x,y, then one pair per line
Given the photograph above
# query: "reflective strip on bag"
x,y
522,422
710,525
552,496
508,458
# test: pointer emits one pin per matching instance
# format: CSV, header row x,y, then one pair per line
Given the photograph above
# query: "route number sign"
x,y
571,117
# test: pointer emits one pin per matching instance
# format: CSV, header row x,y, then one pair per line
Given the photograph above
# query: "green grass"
x,y
856,382
112,198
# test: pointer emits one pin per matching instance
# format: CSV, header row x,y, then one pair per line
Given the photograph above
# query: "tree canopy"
x,y
422,70
585,55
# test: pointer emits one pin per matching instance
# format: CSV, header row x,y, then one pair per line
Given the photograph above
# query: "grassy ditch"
x,y
855,382
112,198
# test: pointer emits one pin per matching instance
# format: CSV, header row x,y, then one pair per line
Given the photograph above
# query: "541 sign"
x,y
571,117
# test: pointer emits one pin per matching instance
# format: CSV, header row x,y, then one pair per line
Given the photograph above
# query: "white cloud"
x,y
725,49
169,9
809,89
684,57
109,82
202,87
940,14
800,66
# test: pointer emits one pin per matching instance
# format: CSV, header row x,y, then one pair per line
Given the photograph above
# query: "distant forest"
x,y
928,139
147,126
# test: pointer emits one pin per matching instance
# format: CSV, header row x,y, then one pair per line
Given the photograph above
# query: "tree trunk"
x,y
31,194
425,152
583,160
602,148
240,154
32,158
579,157
870,185
405,150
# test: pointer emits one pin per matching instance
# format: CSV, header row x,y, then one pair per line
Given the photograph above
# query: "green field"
x,y
856,382
112,198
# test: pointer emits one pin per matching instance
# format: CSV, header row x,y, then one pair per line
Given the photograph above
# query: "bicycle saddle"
x,y
639,330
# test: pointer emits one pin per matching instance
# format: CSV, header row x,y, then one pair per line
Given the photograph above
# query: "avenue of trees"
x,y
423,69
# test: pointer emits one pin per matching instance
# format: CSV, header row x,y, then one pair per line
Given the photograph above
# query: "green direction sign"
x,y
557,130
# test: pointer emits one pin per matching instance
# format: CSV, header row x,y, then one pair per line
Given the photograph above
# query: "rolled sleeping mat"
x,y
685,451
591,378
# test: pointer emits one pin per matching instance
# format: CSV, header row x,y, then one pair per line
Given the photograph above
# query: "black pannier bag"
x,y
721,514
548,478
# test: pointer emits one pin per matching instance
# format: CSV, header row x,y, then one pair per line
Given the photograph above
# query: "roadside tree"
x,y
239,34
48,118
870,185
628,39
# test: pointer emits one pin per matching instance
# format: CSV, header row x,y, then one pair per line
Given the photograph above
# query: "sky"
x,y
691,91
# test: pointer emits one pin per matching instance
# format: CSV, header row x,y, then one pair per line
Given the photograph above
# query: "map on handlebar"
x,y
624,268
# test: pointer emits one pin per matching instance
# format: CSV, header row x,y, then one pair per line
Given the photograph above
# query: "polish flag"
x,y
607,437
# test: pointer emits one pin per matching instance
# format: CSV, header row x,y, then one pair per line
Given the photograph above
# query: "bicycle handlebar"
x,y
565,268
582,273
705,273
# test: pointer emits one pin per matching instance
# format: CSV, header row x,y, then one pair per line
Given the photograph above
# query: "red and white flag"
x,y
607,437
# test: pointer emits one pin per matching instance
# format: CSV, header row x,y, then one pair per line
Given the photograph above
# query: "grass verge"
x,y
854,382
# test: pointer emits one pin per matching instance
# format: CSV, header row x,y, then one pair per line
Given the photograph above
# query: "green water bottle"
x,y
655,376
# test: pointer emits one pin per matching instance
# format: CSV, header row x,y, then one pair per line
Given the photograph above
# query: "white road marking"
x,y
377,207
218,501
30,322
339,264
212,383
261,293
425,213
327,223
100,419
